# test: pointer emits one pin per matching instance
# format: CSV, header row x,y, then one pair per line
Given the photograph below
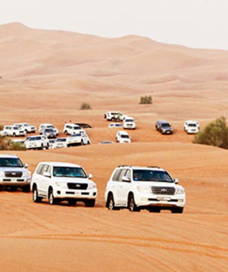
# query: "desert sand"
x,y
44,77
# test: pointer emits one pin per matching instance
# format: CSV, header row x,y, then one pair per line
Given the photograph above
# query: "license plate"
x,y
163,198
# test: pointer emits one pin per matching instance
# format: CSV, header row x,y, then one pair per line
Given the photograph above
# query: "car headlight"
x,y
180,191
144,189
92,186
1,174
26,174
61,184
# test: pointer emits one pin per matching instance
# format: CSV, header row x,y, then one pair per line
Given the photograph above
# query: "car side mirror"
x,y
46,174
90,176
176,181
25,165
125,179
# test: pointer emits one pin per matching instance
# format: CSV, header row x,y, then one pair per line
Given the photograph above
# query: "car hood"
x,y
74,180
13,169
156,184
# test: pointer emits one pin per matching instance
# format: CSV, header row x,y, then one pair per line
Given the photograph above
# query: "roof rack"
x,y
124,165
153,166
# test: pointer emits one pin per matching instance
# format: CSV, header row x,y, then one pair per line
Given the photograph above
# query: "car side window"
x,y
39,169
122,174
45,168
116,174
128,174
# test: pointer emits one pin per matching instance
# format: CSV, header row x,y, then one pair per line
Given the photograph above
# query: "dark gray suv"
x,y
163,127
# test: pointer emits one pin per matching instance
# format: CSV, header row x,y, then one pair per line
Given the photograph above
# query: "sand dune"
x,y
45,76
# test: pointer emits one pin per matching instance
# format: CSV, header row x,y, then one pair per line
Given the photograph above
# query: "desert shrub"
x,y
6,144
16,146
146,100
3,143
85,106
1,127
215,133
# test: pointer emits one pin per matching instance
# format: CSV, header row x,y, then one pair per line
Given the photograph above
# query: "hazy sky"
x,y
193,23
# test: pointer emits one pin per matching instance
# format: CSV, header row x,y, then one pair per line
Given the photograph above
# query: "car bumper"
x,y
75,194
161,200
14,182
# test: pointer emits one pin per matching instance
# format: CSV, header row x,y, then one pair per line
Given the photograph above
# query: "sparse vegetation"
x,y
85,106
6,144
146,100
215,133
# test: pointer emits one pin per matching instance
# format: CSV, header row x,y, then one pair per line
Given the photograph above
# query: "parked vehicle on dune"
x,y
150,188
59,181
114,116
11,130
191,127
129,123
115,125
26,127
42,127
80,138
123,137
36,142
60,142
13,173
70,128
163,127
50,133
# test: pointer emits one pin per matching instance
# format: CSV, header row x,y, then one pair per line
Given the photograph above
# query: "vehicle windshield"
x,y
70,172
192,125
61,140
49,130
10,162
75,135
151,175
166,125
124,136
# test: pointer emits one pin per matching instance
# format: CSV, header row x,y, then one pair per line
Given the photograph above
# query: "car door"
x,y
124,186
43,181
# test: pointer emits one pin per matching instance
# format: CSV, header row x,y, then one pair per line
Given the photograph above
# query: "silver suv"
x,y
163,127
13,173
150,188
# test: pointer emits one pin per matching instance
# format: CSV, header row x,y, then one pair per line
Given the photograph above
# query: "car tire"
x,y
131,204
51,199
35,196
26,189
90,203
177,210
110,203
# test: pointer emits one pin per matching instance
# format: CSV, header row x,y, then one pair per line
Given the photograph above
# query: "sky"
x,y
192,23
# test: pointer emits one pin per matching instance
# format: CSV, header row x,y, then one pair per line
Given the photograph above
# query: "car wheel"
x,y
131,204
51,199
177,210
110,204
26,189
14,134
47,147
82,142
72,202
35,195
90,203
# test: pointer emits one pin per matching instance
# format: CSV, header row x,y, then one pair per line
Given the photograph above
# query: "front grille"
x,y
13,174
77,186
163,190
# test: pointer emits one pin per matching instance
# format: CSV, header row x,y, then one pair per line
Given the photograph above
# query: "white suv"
x,y
70,128
13,173
191,127
129,123
58,181
150,188
80,138
26,127
36,142
13,131
123,137
42,127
